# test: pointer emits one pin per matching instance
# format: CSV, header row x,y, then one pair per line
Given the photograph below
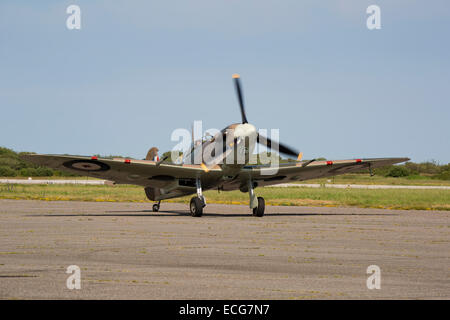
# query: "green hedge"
x,y
12,166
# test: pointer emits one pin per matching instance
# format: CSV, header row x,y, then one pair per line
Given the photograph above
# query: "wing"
x,y
300,171
125,171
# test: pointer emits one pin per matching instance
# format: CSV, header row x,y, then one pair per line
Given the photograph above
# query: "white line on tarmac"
x,y
281,185
56,181
356,186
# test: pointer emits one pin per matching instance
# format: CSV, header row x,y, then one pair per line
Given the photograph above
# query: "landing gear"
x,y
156,206
196,207
259,210
199,202
256,204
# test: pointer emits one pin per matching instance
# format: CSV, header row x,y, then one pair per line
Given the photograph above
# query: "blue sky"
x,y
137,70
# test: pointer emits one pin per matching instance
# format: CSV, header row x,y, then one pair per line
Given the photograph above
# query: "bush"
x,y
444,175
429,167
381,171
7,172
44,172
5,152
398,171
28,172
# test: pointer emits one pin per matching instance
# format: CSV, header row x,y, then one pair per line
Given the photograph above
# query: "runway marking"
x,y
356,186
281,185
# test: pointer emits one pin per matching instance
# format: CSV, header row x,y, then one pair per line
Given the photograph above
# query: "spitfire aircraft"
x,y
227,167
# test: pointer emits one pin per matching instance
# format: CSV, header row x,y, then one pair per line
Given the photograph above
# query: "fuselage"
x,y
230,149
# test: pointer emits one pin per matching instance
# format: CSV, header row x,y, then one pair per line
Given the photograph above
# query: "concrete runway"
x,y
126,251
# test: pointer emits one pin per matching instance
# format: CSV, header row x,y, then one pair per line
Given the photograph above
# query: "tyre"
x,y
259,210
196,207
155,208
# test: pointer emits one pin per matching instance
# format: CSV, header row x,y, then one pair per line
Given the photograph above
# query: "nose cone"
x,y
245,130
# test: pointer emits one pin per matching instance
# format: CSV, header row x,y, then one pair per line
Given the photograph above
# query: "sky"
x,y
138,70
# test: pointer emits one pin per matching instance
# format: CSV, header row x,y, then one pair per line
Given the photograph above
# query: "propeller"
x,y
237,84
282,148
278,145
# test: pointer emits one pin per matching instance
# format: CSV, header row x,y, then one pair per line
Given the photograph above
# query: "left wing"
x,y
299,171
127,171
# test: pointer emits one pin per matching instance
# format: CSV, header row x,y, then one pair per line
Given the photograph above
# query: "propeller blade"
x,y
281,147
237,84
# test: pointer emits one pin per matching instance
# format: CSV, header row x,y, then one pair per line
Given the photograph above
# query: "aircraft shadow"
x,y
281,214
173,213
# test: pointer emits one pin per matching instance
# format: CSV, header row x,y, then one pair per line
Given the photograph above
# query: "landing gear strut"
x,y
256,204
199,202
156,206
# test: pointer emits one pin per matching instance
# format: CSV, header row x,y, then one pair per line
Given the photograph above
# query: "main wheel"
x,y
155,207
259,210
196,207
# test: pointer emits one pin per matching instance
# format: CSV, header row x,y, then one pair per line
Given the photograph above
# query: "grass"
x,y
379,198
414,180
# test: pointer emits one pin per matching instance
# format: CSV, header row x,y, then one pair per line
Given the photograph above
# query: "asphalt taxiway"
x,y
126,251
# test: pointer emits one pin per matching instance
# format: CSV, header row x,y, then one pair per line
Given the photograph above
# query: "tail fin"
x,y
152,153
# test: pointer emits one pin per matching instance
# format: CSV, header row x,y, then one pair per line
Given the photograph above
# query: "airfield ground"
x,y
126,251
418,199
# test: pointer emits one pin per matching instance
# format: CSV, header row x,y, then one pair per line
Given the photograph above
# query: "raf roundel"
x,y
86,165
